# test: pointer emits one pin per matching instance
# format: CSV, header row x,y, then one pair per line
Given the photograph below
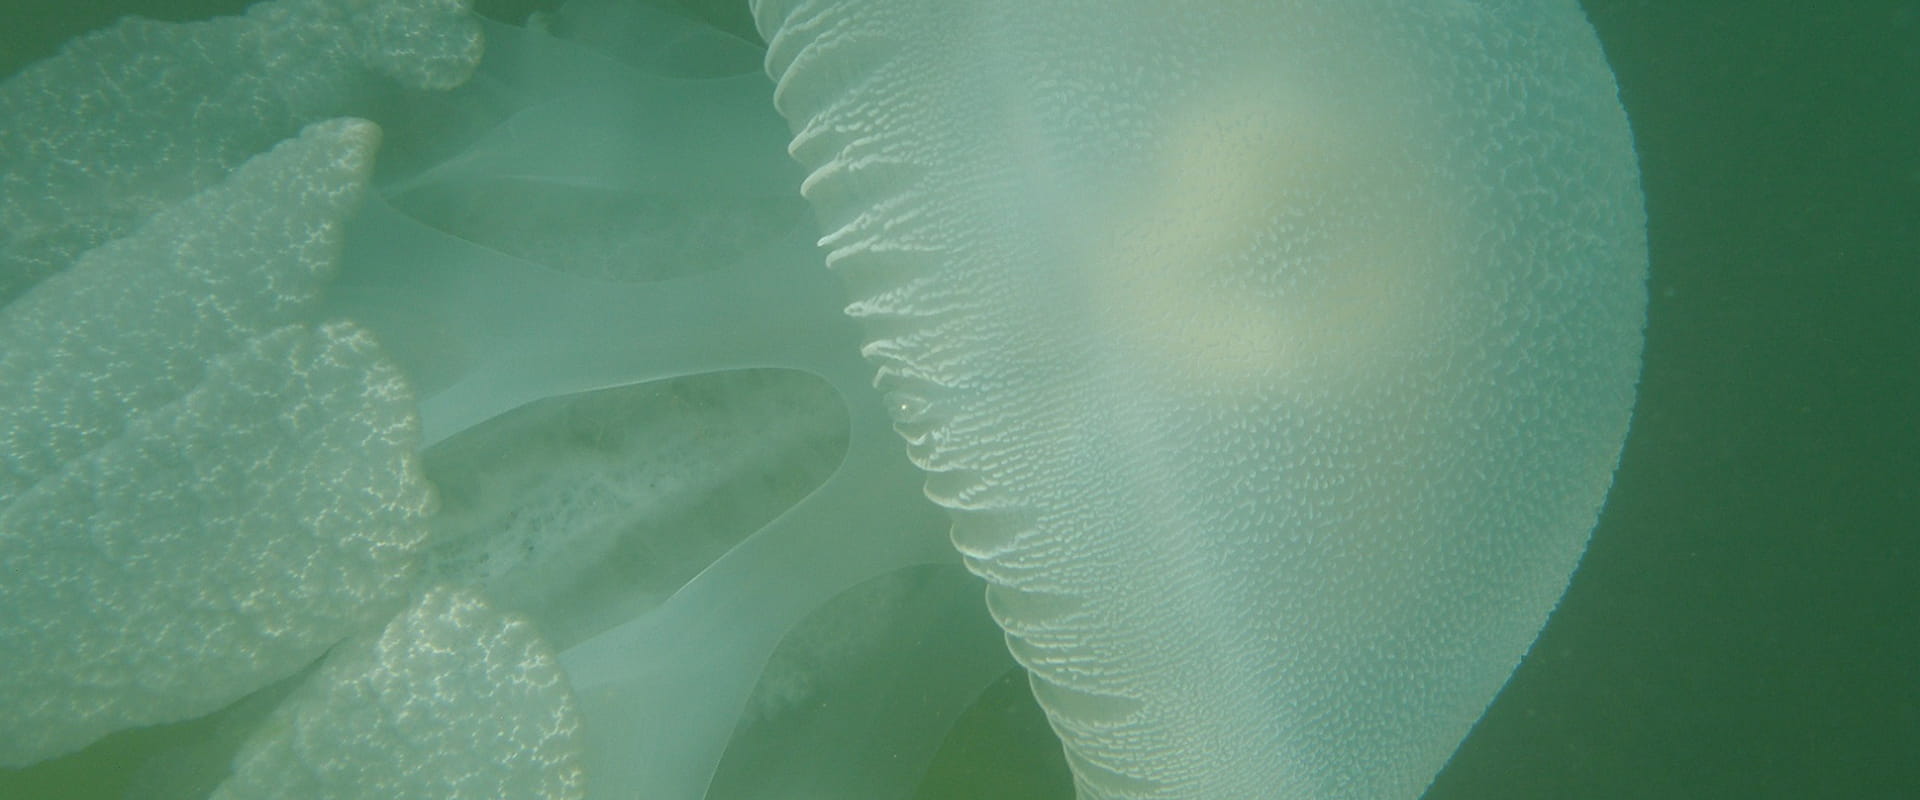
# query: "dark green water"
x,y
1746,623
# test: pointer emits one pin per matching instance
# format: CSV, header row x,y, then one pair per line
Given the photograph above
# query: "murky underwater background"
x,y
1746,623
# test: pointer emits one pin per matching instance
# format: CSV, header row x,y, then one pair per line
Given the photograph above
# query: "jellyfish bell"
x,y
1273,358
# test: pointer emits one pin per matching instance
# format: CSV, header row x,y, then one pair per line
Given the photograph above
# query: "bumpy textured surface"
x,y
133,118
196,497
453,701
1275,356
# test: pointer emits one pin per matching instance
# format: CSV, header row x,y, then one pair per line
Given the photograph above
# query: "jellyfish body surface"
x,y
1266,365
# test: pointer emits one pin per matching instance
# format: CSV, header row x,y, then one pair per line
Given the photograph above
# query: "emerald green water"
x,y
1743,625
